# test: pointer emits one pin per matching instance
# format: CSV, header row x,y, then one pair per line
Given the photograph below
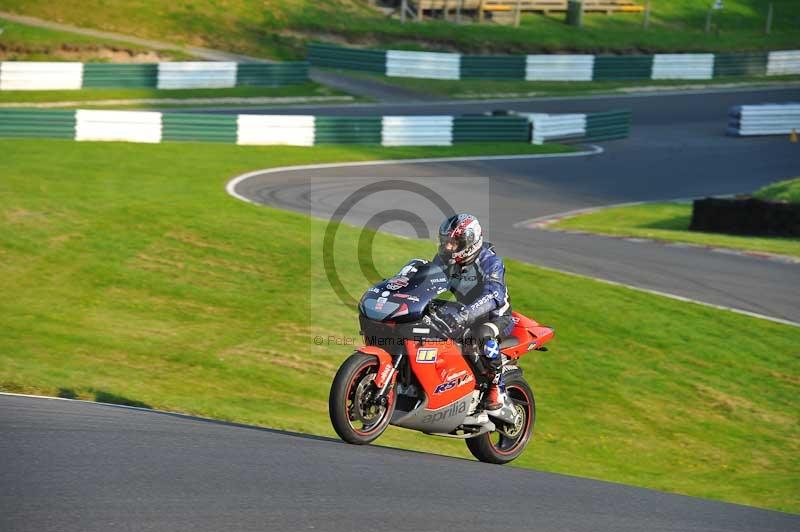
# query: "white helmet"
x,y
460,239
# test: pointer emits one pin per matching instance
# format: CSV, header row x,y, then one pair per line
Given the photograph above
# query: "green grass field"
x,y
32,98
20,42
130,276
281,28
480,89
670,222
788,190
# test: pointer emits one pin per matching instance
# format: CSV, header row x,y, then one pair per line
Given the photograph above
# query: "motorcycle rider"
x,y
476,277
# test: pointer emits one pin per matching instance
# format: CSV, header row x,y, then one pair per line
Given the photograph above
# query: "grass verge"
x,y
281,28
484,89
130,275
27,98
670,222
788,190
20,42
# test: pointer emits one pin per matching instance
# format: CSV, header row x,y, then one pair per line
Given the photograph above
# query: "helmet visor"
x,y
449,245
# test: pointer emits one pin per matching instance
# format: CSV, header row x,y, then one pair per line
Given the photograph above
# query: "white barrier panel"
x,y
431,65
768,119
197,75
417,131
275,129
560,126
28,76
683,66
783,63
131,126
559,67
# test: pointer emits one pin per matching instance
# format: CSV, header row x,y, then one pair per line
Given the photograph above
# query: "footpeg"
x,y
508,413
481,419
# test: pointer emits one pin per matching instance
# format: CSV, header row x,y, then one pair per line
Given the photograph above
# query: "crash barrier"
x,y
748,216
542,6
298,130
554,67
766,119
24,75
563,128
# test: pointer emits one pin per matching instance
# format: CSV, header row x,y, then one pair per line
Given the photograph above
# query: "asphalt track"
x,y
677,150
74,466
84,467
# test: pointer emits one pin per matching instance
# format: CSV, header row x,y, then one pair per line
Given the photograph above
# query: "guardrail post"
x,y
708,19
517,13
646,22
770,12
575,13
458,11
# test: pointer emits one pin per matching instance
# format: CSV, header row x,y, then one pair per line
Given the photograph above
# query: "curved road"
x,y
677,149
81,467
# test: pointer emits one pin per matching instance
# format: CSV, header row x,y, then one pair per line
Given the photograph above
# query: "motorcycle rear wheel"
x,y
499,448
354,418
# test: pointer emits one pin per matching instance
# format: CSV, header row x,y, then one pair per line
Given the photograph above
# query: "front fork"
x,y
386,376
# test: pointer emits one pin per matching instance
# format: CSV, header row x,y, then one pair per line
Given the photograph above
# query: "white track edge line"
x,y
115,405
183,415
674,296
230,187
551,219
589,210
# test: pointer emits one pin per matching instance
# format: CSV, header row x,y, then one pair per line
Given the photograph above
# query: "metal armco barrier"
x,y
298,130
24,75
555,67
766,119
566,128
429,65
37,123
327,55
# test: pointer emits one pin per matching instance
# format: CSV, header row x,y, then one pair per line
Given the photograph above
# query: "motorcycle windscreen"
x,y
404,297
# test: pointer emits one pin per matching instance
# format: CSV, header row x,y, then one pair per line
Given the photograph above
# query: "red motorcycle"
x,y
412,373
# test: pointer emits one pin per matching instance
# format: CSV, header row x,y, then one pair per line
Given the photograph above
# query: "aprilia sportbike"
x,y
411,373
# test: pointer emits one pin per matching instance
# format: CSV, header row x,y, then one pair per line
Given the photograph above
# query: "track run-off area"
x,y
83,467
677,149
75,466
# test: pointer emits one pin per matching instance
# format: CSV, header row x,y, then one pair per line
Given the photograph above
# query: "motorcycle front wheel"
x,y
354,416
506,444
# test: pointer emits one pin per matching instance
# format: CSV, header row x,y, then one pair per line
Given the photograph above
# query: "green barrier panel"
x,y
198,127
608,126
326,55
491,128
347,130
492,67
102,75
744,64
271,74
37,123
622,67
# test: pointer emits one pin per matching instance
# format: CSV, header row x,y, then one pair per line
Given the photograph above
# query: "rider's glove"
x,y
451,317
457,318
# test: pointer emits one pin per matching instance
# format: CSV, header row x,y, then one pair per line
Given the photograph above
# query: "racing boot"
x,y
495,395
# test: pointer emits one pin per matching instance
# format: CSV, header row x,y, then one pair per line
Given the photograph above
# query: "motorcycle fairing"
x,y
528,334
442,371
433,421
385,360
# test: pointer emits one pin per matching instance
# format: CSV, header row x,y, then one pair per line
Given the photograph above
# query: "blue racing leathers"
x,y
480,286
